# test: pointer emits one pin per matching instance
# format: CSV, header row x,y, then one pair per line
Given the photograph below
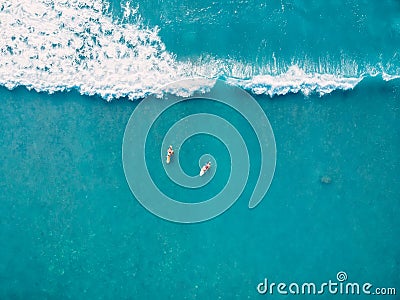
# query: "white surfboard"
x,y
203,170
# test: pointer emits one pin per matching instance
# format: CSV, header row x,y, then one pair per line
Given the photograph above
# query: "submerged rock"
x,y
326,179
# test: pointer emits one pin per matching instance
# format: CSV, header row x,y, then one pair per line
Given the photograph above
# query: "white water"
x,y
57,45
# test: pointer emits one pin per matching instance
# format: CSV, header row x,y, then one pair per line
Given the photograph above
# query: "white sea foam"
x,y
57,45
296,80
388,77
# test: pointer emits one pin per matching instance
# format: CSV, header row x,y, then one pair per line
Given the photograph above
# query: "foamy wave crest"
x,y
296,80
388,77
58,45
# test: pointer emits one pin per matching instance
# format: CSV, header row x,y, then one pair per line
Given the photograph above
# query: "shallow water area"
x,y
326,74
70,222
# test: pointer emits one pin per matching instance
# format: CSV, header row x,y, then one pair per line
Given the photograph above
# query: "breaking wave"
x,y
59,45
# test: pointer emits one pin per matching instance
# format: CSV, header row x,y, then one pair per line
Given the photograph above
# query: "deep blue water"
x,y
71,227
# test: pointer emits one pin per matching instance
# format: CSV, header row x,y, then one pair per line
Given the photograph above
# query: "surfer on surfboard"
x,y
170,152
205,168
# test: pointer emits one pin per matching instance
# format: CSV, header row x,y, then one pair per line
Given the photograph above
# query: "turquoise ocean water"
x,y
325,73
